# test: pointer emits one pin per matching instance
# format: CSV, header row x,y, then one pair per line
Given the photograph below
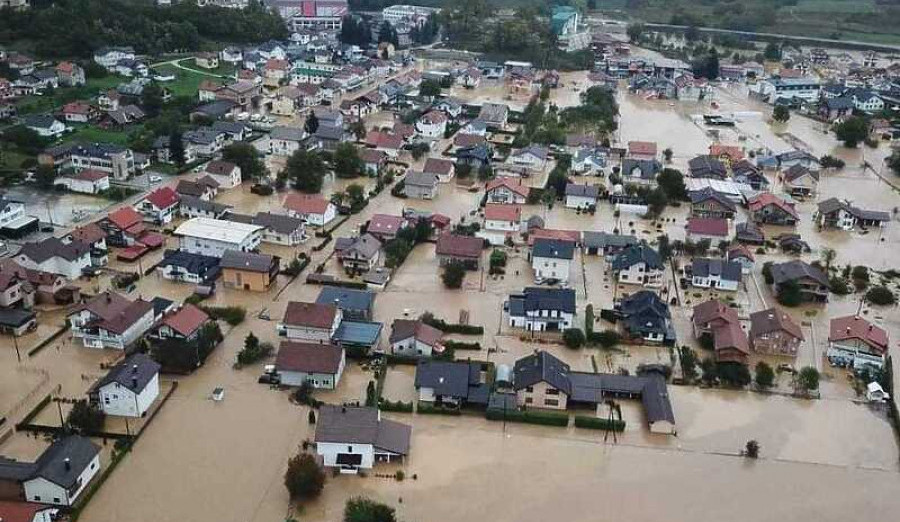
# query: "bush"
x,y
453,275
808,379
544,418
881,296
361,509
461,345
233,315
573,338
765,377
386,405
595,423
253,350
789,294
751,449
304,477
430,409
607,338
498,259
838,285
465,329
86,417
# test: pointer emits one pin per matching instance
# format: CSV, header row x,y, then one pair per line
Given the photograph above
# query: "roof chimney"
x,y
68,463
134,368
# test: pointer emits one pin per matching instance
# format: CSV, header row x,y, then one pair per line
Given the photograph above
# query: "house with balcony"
x,y
110,320
542,309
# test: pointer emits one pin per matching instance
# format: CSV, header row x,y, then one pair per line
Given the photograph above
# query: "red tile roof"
x,y
459,246
643,148
468,140
90,233
548,233
853,327
20,511
385,224
513,185
163,198
186,320
308,357
733,152
125,218
90,175
438,166
714,310
310,314
767,198
708,226
305,204
383,140
499,212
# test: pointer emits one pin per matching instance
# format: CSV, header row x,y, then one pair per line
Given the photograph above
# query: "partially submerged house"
x,y
353,438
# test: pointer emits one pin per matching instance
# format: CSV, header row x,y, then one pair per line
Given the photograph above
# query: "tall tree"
x,y
176,148
306,170
347,163
248,159
312,123
304,477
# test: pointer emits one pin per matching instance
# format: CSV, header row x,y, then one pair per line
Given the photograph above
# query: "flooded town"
x,y
334,264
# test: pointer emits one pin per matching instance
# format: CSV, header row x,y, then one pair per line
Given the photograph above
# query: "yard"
x,y
187,82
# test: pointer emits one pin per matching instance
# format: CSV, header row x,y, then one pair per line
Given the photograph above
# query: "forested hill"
x,y
68,28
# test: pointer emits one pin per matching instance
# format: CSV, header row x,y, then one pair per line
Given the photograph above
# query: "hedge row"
x,y
544,418
233,315
594,423
386,405
444,326
461,345
323,244
430,409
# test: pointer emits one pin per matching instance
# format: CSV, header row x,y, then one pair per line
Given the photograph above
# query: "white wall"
x,y
329,452
216,248
549,268
120,401
46,492
411,347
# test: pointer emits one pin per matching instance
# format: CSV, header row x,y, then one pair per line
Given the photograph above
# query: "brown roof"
x,y
459,246
714,310
305,204
220,167
115,312
855,327
642,147
708,226
385,224
406,328
499,212
515,186
310,314
89,234
468,140
20,511
731,336
90,175
308,357
767,198
773,320
437,166
186,320
125,218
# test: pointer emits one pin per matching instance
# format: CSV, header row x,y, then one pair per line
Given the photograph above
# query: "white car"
x,y
155,179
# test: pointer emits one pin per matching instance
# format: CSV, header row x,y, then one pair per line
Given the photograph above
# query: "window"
x,y
350,449
529,389
56,500
528,400
551,402
37,498
552,391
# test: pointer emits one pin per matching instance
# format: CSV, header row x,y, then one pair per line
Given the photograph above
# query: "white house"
x,y
284,141
581,196
108,57
552,259
542,309
130,387
281,229
354,438
63,471
111,321
533,156
57,257
500,221
310,322
46,126
432,125
506,190
716,273
319,365
159,206
639,265
226,174
414,338
212,237
316,210
88,181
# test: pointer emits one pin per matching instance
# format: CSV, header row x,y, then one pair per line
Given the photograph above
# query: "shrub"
x,y
880,295
838,285
767,272
304,477
751,449
386,405
595,423
86,417
498,259
233,315
361,509
573,338
430,409
461,345
465,329
808,379
453,275
765,377
544,418
253,350
607,338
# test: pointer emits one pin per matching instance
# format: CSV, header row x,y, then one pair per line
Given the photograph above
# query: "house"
x,y
834,109
318,365
465,250
532,156
213,237
542,309
108,57
280,229
191,207
248,271
311,322
712,229
450,383
603,243
129,388
414,338
494,115
60,474
106,157
357,305
315,210
741,254
159,206
386,226
707,167
589,161
710,315
504,190
359,254
189,268
581,196
800,182
15,511
207,60
470,78
204,188
774,332
857,343
749,233
502,218
88,181
638,264
866,100
123,227
770,209
834,213
226,174
69,74
727,154
812,282
708,203
78,112
640,171
420,185
110,320
432,125
552,259
747,173
93,236
55,256
642,150
646,317
443,169
717,274
374,160
285,141
476,156
354,438
45,125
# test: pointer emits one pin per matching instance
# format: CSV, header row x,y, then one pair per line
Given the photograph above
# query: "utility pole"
x,y
16,344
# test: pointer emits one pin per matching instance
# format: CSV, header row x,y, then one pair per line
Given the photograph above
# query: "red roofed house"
x,y
79,112
774,332
87,181
389,143
505,190
184,324
713,229
386,226
500,222
26,512
642,149
111,320
718,320
769,209
573,236
319,365
316,210
468,140
727,154
432,125
123,227
311,322
159,206
69,74
443,169
857,343
453,248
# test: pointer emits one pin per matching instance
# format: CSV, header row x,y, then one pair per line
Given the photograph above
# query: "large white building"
x,y
806,89
353,438
129,389
212,237
552,259
542,309
407,13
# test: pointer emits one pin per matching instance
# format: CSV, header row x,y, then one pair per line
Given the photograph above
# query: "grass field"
x,y
93,134
187,82
59,97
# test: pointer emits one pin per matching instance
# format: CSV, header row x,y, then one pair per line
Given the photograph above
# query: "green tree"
x,y
772,52
765,376
429,88
371,394
387,33
306,170
608,339
881,296
667,154
347,163
808,379
85,417
789,294
45,176
573,338
358,129
245,156
828,256
304,478
356,196
781,114
361,509
253,350
852,131
311,125
688,360
176,148
671,181
634,31
453,275
589,322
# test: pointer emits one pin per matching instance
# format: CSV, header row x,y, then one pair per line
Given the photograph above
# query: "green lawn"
x,y
187,83
92,134
59,97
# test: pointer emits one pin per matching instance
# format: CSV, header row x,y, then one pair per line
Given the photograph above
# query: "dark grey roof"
x,y
586,387
279,223
347,298
553,248
351,425
39,121
588,191
134,373
216,109
839,103
603,239
246,261
287,133
699,196
645,313
794,270
728,270
15,317
535,298
14,470
655,396
330,132
54,247
634,254
448,378
52,464
365,246
707,167
421,179
749,232
196,203
192,263
648,169
542,367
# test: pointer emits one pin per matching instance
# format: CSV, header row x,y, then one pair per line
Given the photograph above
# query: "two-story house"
x,y
639,264
310,322
542,309
110,320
